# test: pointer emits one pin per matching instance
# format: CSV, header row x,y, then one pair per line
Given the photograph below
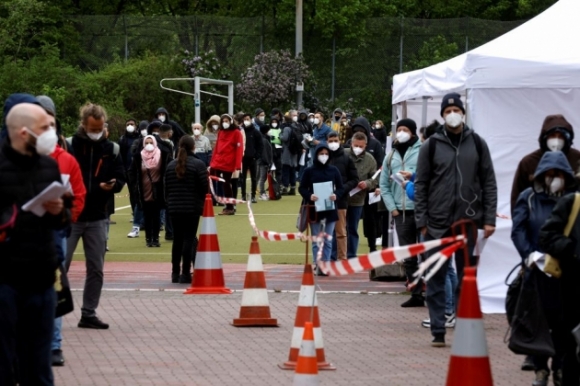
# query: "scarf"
x,y
150,159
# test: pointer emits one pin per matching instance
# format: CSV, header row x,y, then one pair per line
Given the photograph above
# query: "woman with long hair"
x,y
186,184
147,173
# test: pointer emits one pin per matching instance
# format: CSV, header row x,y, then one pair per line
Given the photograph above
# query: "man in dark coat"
x,y
28,256
163,116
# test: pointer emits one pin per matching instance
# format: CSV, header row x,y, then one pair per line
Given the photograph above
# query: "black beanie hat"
x,y
452,99
408,123
258,112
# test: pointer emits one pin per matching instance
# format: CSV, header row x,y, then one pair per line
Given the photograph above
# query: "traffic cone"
x,y
307,311
469,364
255,311
208,275
306,368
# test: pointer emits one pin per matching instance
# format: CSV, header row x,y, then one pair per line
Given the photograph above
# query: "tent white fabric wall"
x,y
512,83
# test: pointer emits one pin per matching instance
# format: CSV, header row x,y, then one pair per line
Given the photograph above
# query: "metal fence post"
x,y
333,68
401,47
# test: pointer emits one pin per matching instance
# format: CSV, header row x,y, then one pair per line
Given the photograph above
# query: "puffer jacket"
x,y
394,196
186,195
348,172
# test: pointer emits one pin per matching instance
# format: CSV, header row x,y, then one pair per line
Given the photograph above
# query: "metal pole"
x,y
333,68
401,48
299,45
424,111
231,99
126,42
197,100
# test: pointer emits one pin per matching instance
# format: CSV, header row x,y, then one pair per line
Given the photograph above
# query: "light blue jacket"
x,y
394,196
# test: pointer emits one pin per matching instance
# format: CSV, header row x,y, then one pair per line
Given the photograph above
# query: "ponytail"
x,y
186,145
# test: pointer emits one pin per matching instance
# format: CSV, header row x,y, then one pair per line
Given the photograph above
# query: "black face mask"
x,y
337,118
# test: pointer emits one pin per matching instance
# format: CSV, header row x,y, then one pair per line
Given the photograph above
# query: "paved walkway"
x,y
166,338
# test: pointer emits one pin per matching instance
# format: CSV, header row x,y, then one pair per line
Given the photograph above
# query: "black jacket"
x,y
567,251
178,132
253,143
28,258
267,157
98,164
186,195
125,143
348,172
374,147
136,177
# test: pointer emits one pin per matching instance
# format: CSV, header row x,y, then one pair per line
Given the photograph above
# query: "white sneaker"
x,y
264,197
134,233
449,321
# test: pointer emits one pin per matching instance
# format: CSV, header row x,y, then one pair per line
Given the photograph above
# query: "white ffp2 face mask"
x,y
555,144
323,158
95,136
226,125
130,129
215,127
149,147
295,119
196,132
453,119
247,123
45,142
357,150
161,118
333,146
403,136
144,133
274,125
316,121
555,184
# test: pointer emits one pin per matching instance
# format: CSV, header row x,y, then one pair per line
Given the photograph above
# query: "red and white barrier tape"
x,y
388,256
436,261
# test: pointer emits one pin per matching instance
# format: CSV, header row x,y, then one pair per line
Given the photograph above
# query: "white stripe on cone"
x,y
469,339
306,296
299,333
307,349
306,380
254,297
255,263
208,260
208,226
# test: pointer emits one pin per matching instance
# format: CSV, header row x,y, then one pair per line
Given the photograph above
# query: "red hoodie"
x,y
67,164
228,151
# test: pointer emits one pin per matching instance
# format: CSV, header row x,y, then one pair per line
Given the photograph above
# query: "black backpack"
x,y
295,141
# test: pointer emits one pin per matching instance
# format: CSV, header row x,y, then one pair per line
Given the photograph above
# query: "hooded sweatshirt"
x,y
68,165
209,132
335,125
316,173
178,132
374,147
524,175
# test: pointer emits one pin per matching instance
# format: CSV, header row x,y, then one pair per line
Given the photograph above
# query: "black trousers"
x,y
249,164
152,214
184,246
227,185
371,223
408,234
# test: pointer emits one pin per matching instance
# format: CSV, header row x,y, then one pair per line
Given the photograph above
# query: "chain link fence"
x,y
358,70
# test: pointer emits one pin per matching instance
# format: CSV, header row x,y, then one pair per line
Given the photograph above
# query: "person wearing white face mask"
x,y
552,180
366,167
455,180
27,250
126,142
402,160
103,175
203,148
259,119
322,221
211,129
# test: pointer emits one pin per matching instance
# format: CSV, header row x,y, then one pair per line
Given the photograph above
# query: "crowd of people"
x,y
344,170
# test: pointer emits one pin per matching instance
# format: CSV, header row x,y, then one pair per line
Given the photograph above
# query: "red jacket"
x,y
67,164
228,151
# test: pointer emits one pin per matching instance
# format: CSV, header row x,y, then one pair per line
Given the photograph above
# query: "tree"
x,y
271,80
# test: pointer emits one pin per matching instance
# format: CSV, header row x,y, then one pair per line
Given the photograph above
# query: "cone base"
x,y
291,365
469,371
255,322
207,291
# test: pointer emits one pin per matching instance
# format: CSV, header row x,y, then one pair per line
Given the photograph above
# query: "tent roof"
x,y
538,54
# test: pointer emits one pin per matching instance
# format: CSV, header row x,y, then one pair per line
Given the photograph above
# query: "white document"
x,y
374,198
302,159
539,259
52,192
273,167
374,177
480,244
398,178
323,190
354,191
66,182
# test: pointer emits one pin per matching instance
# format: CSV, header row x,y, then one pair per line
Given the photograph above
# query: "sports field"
x,y
234,233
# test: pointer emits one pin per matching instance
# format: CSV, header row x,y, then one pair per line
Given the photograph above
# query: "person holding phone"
x,y
147,172
323,221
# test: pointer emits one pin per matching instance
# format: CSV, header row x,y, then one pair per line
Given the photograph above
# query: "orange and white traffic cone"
x,y
306,368
307,311
208,275
255,311
469,364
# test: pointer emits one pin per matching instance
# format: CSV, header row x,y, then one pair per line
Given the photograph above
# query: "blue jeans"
x,y
138,220
353,215
315,229
60,247
450,287
26,327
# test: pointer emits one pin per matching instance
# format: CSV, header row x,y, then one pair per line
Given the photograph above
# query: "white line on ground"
x,y
123,207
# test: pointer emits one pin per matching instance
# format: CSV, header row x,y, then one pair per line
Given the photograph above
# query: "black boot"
x,y
155,243
415,301
175,278
292,191
185,278
149,243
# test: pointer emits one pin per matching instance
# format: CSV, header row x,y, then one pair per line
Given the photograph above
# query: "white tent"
x,y
512,83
